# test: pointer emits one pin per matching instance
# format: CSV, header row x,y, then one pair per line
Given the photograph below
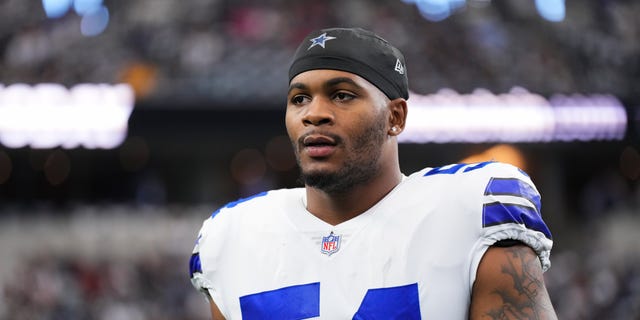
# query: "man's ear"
x,y
397,116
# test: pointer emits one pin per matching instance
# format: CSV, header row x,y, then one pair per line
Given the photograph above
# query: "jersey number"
x,y
303,301
455,168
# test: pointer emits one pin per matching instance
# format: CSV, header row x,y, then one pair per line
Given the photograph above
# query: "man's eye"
x,y
343,96
298,99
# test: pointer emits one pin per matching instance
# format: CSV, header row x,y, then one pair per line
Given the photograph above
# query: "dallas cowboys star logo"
x,y
320,40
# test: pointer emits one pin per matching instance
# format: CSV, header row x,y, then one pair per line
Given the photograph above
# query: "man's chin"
x,y
319,179
318,171
333,180
312,177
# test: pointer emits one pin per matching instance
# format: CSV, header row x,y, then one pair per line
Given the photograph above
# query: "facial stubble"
x,y
360,166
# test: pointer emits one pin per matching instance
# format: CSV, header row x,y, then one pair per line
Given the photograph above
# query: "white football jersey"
x,y
412,255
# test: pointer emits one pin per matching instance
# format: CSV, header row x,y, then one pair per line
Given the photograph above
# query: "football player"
x,y
362,240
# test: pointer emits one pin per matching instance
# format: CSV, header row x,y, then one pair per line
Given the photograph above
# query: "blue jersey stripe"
x,y
513,187
401,302
499,213
194,264
295,302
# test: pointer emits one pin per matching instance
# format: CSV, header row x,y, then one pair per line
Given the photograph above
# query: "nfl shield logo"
x,y
330,244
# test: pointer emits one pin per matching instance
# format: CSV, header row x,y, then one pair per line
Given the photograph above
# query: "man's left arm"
x,y
510,285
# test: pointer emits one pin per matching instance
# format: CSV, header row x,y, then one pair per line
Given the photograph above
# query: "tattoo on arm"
x,y
528,298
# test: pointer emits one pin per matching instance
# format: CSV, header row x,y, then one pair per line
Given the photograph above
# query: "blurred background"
x,y
124,124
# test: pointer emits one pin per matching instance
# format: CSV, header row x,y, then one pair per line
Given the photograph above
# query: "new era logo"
x,y
399,67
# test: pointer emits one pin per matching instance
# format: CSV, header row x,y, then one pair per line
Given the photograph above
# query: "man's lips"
x,y
318,145
316,139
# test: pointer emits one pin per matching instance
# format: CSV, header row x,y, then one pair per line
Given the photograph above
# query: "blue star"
x,y
320,40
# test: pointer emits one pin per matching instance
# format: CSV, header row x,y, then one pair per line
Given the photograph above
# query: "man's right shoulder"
x,y
258,204
246,215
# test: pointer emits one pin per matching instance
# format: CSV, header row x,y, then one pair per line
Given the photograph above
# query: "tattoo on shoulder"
x,y
528,298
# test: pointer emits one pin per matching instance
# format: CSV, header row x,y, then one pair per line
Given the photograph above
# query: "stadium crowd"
x,y
213,51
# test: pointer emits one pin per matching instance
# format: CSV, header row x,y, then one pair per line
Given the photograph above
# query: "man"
x,y
361,240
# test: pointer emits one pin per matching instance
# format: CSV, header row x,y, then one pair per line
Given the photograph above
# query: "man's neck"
x,y
337,208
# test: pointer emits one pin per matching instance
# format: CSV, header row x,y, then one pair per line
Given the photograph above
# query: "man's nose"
x,y
318,113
